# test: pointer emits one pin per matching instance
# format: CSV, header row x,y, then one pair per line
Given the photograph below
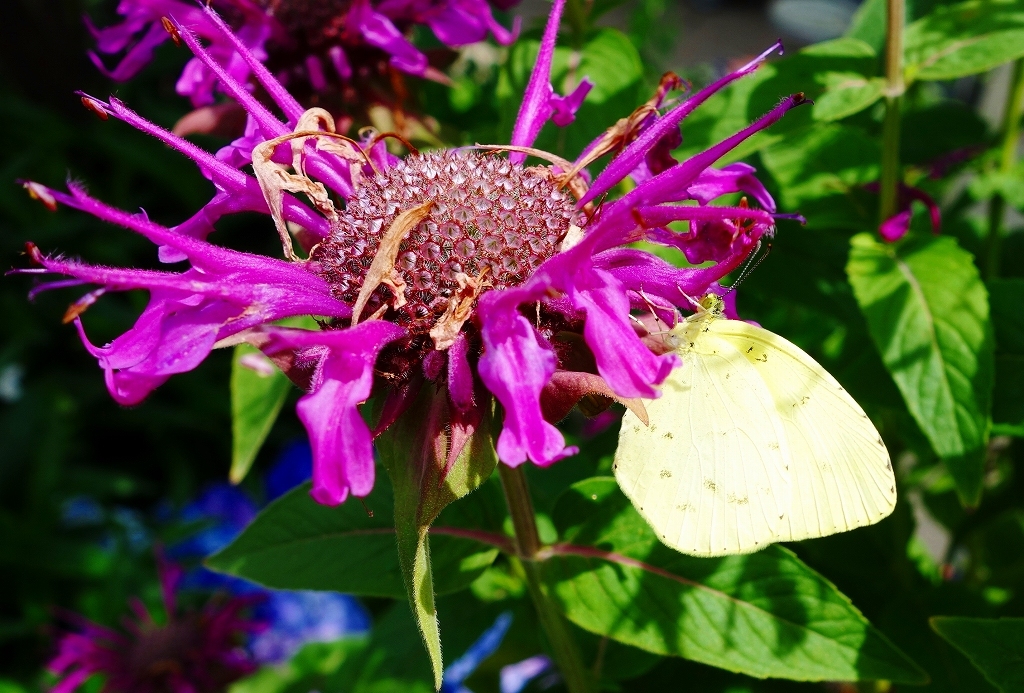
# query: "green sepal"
x,y
415,452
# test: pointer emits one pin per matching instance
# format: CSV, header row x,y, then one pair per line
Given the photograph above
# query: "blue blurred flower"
x,y
81,511
515,677
294,466
459,670
294,618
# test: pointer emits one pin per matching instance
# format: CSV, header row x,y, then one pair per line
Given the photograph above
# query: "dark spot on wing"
x,y
665,474
710,485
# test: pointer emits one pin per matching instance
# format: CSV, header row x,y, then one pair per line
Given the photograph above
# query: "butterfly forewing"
x,y
840,471
709,473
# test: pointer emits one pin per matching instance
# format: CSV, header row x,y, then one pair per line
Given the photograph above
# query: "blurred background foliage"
x,y
87,488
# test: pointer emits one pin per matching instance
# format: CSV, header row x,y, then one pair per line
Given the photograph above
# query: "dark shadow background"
x,y
66,448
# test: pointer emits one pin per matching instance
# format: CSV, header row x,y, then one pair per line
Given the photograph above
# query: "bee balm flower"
x,y
315,41
192,652
464,270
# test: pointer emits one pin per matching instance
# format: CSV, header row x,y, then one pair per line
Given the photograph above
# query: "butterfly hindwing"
x,y
709,473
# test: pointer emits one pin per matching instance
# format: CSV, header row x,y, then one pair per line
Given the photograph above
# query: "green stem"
x,y
556,628
577,14
1007,160
889,185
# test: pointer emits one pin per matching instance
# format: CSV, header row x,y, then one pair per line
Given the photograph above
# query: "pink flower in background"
x,y
316,41
465,271
895,227
192,652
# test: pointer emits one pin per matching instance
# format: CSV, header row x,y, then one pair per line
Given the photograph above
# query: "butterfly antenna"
x,y
752,262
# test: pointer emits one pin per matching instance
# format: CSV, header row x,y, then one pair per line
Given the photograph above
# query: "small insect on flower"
x,y
472,274
755,443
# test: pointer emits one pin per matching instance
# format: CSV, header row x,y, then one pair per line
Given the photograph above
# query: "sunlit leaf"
x,y
822,171
258,391
765,614
256,399
964,39
928,313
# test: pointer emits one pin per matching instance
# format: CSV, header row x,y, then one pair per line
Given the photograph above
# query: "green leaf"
x,y
1009,184
415,452
994,646
846,93
840,76
822,171
928,314
258,391
256,399
868,24
765,614
964,39
844,71
1007,297
298,544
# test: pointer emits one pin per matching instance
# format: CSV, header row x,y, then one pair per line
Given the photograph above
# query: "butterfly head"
x,y
713,306
683,336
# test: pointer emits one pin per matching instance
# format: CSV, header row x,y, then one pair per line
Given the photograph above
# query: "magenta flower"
x,y
460,270
896,226
313,41
192,652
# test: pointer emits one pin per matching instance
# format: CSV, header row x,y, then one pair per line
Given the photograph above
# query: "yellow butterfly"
x,y
751,442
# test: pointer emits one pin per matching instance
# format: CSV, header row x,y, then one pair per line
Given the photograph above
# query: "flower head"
x,y
308,43
466,271
192,652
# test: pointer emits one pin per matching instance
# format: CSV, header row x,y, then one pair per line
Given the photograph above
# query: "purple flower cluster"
x,y
192,652
465,271
316,41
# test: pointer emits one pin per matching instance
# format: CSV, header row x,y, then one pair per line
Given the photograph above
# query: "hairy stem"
x,y
1007,160
556,628
894,88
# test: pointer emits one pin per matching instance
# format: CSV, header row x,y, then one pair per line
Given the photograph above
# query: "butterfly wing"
x,y
709,473
840,471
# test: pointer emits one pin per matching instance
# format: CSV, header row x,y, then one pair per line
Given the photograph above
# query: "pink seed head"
x,y
490,219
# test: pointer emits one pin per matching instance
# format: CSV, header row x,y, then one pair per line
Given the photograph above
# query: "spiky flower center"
x,y
490,221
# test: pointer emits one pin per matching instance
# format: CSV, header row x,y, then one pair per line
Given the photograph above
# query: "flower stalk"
x,y
1007,159
527,540
894,88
